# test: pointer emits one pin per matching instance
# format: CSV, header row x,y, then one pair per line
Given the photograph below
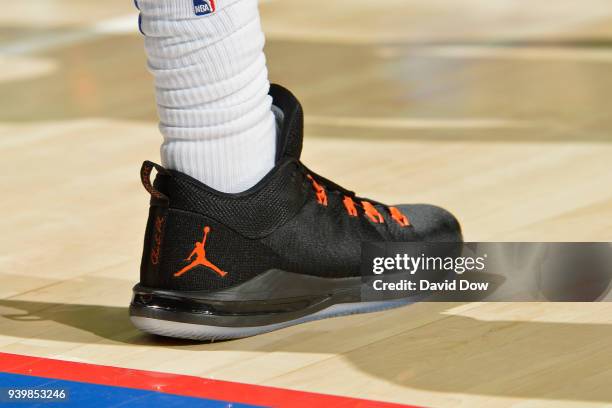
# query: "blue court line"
x,y
97,396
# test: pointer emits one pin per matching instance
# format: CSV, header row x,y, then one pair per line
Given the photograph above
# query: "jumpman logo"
x,y
200,258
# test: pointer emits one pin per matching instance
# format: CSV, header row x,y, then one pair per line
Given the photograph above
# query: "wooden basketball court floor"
x,y
498,110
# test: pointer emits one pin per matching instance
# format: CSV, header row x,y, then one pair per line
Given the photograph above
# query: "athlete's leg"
x,y
212,89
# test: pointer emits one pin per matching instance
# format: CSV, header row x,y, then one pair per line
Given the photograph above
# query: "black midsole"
x,y
273,297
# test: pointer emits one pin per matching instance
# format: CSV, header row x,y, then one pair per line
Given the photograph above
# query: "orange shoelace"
x,y
369,210
321,194
372,213
349,204
399,216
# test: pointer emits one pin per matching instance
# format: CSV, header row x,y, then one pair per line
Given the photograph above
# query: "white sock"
x,y
212,89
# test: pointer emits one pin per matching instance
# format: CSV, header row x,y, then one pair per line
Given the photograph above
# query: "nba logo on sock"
x,y
204,7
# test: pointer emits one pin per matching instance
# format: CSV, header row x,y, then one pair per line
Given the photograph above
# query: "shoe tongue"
x,y
290,119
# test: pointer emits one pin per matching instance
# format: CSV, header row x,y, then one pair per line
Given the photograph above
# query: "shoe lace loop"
x,y
351,201
349,204
372,213
399,216
321,194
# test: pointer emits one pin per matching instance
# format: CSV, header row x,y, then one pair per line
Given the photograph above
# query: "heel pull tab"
x,y
157,198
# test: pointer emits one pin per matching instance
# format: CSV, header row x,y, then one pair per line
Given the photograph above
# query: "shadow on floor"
x,y
449,354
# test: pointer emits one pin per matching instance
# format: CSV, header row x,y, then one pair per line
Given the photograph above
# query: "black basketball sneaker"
x,y
287,251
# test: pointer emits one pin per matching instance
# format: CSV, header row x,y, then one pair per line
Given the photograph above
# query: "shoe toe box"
x,y
432,224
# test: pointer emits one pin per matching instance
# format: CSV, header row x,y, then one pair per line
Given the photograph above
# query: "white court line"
x,y
46,42
127,24
571,53
415,123
121,25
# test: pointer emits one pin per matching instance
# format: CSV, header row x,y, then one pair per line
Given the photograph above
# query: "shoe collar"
x,y
290,123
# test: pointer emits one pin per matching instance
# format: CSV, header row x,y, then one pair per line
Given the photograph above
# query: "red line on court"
x,y
178,384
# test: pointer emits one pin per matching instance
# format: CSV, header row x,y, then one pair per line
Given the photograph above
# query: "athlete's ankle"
x,y
212,90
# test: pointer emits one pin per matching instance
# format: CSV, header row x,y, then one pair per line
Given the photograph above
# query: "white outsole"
x,y
192,331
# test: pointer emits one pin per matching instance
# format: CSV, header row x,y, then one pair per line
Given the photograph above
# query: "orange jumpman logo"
x,y
200,258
